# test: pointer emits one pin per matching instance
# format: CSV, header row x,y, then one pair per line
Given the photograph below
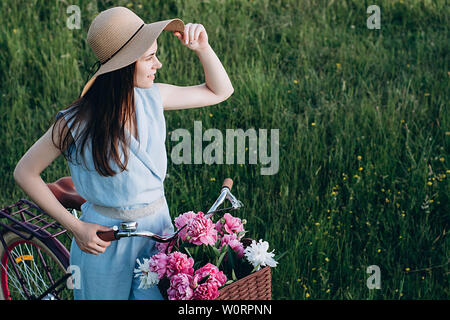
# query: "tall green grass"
x,y
362,114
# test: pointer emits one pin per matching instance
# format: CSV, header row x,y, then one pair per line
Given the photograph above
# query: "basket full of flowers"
x,y
209,260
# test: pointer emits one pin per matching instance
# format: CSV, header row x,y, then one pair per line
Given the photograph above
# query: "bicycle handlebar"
x,y
228,183
128,229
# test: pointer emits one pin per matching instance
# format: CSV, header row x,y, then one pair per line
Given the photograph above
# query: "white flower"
x,y
147,277
258,256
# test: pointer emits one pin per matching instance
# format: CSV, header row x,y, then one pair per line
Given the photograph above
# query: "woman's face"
x,y
146,67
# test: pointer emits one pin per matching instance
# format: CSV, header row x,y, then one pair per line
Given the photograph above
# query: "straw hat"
x,y
119,37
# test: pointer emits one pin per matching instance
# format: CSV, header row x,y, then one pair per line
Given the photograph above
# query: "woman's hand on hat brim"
x,y
194,37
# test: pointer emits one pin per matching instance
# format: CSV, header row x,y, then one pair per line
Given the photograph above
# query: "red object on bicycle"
x,y
65,192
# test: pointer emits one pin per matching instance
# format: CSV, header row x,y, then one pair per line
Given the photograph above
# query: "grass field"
x,y
362,116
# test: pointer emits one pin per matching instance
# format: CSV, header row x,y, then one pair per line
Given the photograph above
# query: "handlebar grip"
x,y
107,235
228,183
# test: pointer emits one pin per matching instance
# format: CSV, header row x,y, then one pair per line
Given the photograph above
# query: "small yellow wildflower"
x,y
313,124
307,295
441,159
361,169
129,5
296,81
317,223
338,66
212,179
426,94
210,115
359,157
407,269
14,31
327,260
429,183
379,250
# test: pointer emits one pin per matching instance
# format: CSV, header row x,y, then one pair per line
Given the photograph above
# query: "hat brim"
x,y
136,47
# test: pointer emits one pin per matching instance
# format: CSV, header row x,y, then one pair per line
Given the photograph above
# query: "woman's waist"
x,y
132,212
124,201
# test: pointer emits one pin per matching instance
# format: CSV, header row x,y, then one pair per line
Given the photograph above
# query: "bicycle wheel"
x,y
39,268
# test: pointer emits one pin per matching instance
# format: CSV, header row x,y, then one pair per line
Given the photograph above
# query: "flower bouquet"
x,y
206,259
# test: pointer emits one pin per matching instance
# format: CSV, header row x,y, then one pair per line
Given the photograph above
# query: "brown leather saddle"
x,y
65,192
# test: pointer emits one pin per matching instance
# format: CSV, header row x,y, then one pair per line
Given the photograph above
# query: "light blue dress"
x,y
110,275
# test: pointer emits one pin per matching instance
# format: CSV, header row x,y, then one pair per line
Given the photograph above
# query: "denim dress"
x,y
109,275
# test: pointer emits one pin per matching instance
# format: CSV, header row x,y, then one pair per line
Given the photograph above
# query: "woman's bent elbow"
x,y
226,96
17,174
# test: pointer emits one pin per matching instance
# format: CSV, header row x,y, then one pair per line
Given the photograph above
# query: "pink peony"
x,y
158,264
201,230
178,262
182,220
165,246
180,287
229,224
206,291
216,277
234,243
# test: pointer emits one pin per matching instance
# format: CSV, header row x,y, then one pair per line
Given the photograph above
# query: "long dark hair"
x,y
102,113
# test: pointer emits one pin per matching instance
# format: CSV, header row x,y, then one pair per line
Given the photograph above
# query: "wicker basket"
x,y
255,286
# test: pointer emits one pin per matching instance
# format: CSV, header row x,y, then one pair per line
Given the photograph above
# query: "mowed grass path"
x,y
362,116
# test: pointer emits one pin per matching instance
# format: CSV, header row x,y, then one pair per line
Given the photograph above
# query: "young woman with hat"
x,y
117,128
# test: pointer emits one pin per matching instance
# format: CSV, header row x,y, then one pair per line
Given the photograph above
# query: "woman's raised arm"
x,y
217,86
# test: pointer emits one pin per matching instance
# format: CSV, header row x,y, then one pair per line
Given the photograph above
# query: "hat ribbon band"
x,y
98,63
123,44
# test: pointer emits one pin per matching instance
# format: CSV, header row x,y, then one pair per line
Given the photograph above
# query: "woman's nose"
x,y
158,64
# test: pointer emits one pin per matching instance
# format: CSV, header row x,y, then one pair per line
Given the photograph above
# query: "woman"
x,y
117,129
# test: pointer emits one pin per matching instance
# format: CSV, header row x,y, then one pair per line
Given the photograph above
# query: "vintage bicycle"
x,y
33,253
